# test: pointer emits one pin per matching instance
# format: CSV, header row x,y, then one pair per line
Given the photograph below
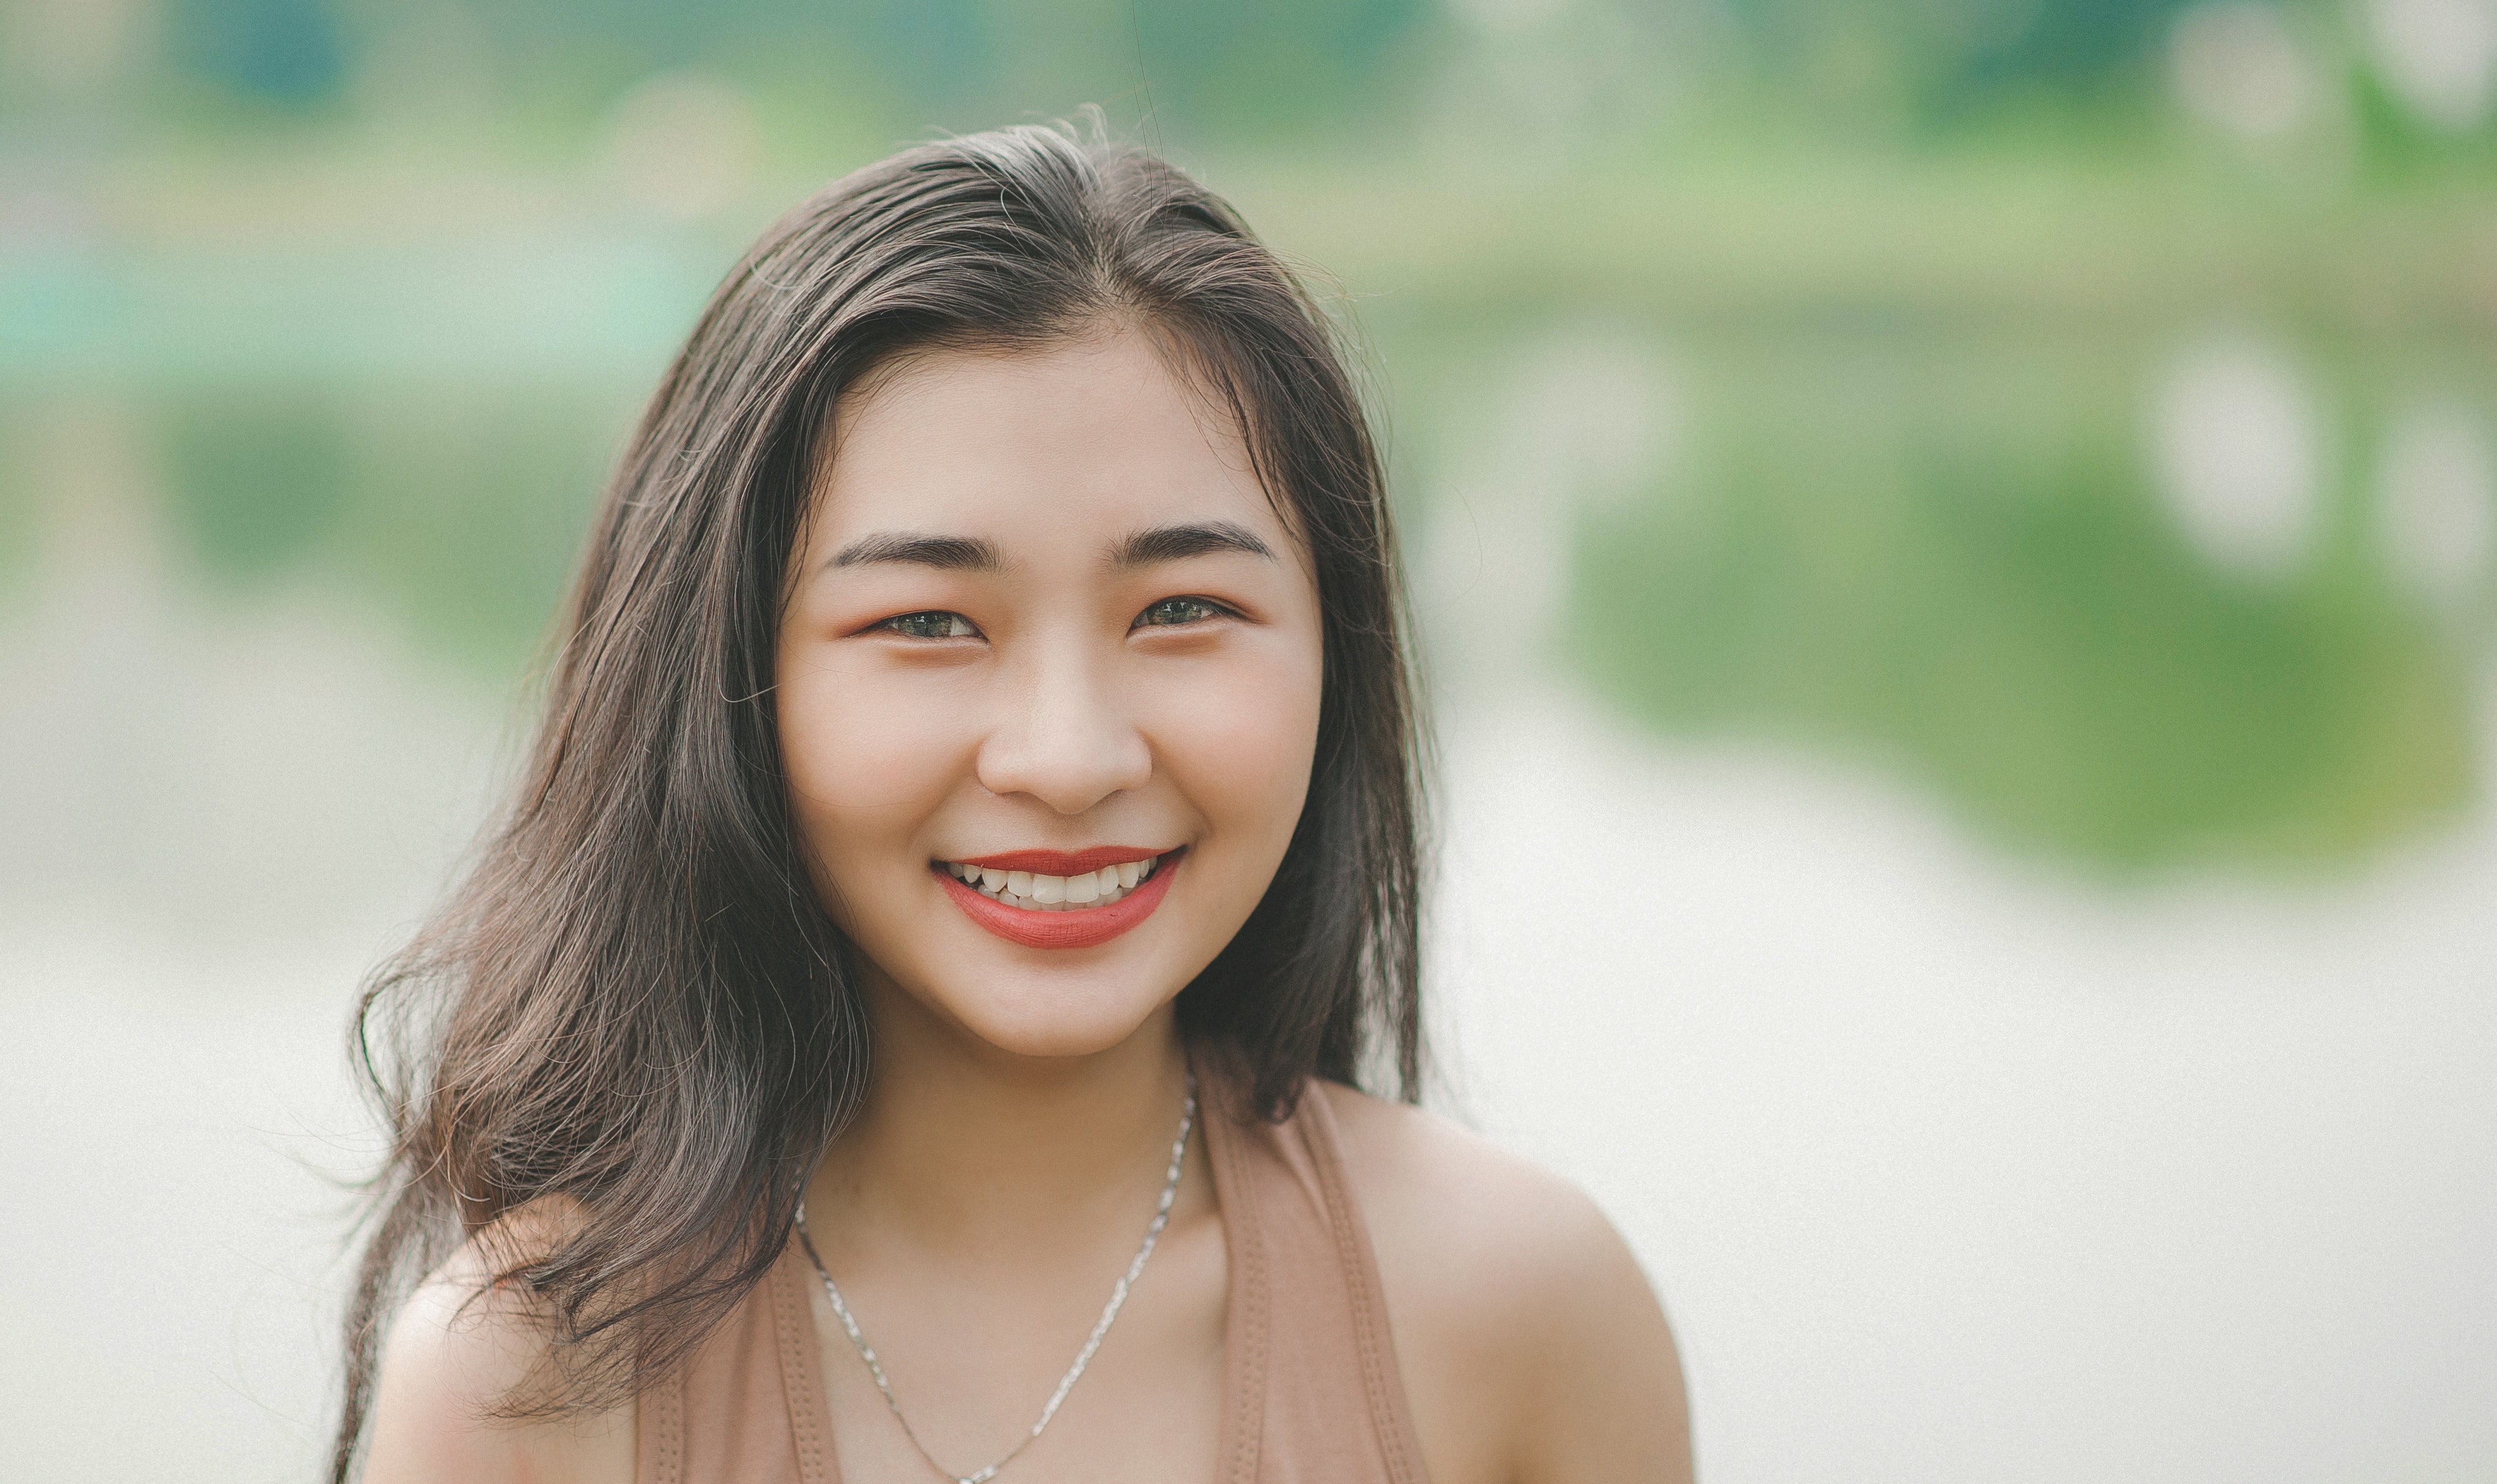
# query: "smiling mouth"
x,y
1034,891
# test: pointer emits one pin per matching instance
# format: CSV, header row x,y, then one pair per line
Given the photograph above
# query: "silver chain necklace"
x,y
1083,1357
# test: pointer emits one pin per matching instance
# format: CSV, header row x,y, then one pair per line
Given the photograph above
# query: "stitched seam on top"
x,y
793,1381
668,1436
1247,1251
1358,1287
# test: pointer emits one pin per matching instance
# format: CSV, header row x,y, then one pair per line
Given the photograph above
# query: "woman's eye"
x,y
1170,612
932,626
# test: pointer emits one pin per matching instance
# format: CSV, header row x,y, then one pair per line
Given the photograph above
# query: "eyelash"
x,y
898,623
1205,608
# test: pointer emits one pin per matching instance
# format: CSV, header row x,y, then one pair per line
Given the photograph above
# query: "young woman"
x,y
907,1024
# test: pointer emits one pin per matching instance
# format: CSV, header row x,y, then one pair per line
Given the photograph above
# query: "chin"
x,y
1054,1004
1051,1018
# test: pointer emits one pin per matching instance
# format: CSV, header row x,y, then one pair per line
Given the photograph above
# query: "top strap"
x,y
1313,1387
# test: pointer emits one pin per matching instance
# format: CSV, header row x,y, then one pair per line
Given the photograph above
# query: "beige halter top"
x,y
1310,1390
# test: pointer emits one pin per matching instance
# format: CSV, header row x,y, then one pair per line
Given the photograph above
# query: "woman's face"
x,y
1047,634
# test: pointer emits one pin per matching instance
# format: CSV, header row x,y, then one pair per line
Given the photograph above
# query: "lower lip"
x,y
1084,928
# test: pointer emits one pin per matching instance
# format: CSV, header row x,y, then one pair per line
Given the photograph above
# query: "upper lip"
x,y
1060,863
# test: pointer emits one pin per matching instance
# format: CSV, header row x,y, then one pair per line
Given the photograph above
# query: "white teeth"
x,y
1034,891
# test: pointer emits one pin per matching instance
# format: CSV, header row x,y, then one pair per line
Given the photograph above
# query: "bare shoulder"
x,y
1530,1342
1486,1214
458,1349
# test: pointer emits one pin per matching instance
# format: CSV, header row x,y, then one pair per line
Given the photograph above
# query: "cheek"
x,y
1242,749
865,766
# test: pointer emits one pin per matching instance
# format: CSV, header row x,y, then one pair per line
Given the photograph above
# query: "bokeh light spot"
x,y
2235,450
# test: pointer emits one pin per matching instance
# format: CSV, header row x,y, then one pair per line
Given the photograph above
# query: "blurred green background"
x,y
2081,410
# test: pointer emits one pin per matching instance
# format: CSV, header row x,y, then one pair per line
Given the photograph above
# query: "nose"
x,y
1065,738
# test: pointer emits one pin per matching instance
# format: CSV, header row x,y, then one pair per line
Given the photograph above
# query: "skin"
x,y
1047,683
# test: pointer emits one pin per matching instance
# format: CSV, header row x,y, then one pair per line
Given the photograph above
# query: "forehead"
x,y
1093,437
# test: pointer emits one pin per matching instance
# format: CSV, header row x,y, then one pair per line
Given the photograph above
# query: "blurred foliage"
x,y
291,52
1197,68
256,483
1229,77
1941,60
459,511
384,281
1956,564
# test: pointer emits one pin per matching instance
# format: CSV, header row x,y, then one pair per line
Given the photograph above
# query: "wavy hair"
x,y
634,998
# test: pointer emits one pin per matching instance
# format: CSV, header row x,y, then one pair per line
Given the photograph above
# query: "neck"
x,y
961,1145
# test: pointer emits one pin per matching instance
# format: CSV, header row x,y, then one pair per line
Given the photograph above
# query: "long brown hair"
x,y
634,998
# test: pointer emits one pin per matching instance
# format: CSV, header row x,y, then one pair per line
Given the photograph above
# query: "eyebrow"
x,y
1172,543
948,553
969,554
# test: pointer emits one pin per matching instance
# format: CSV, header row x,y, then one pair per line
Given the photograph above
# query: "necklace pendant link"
x,y
1083,1357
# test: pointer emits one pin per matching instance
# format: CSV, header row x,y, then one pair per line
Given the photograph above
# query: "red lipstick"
x,y
1084,928
1062,863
